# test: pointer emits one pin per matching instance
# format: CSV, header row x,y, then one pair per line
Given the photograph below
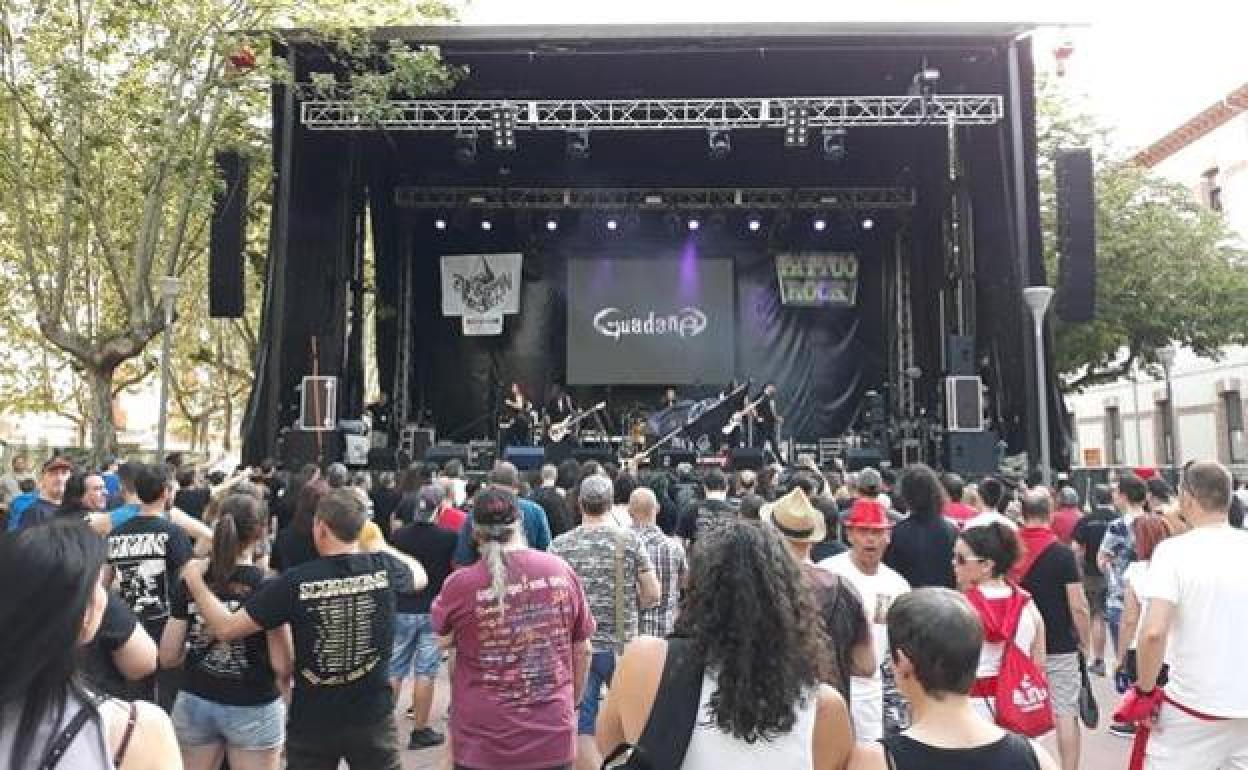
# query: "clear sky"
x,y
1145,66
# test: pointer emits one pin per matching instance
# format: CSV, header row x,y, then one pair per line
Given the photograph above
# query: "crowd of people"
x,y
595,615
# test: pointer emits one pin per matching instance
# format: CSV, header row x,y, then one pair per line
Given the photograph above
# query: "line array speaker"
x,y
1076,235
226,238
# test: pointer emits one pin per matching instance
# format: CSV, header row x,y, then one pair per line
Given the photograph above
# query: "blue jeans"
x,y
1113,619
416,650
601,669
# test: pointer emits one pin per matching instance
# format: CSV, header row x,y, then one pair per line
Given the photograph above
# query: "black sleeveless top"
x,y
1012,752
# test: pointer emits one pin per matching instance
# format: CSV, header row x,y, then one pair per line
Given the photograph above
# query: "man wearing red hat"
x,y
868,529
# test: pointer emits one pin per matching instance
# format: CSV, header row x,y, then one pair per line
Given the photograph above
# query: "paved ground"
x,y
1101,750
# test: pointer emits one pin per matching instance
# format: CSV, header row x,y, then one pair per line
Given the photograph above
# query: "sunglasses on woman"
x,y
962,561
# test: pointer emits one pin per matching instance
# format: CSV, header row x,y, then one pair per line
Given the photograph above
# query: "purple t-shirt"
x,y
512,683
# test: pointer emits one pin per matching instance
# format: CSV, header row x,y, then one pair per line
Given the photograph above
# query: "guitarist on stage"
x,y
516,426
559,405
767,421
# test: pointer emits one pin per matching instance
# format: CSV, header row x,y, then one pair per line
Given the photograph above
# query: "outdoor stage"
x,y
653,171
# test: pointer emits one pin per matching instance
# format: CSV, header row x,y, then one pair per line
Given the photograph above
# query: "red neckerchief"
x,y
1035,540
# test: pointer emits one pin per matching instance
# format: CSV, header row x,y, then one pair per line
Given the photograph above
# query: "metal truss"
x,y
679,198
650,114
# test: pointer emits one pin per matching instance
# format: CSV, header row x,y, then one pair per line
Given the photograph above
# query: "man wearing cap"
x,y
602,555
42,505
802,526
536,527
868,529
416,652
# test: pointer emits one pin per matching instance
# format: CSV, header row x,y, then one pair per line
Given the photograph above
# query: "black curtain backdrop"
x,y
821,358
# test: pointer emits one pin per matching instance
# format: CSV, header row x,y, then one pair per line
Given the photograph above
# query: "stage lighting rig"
x,y
503,120
868,223
796,124
466,148
719,143
753,222
613,224
577,147
552,224
820,223
924,82
694,224
487,225
834,144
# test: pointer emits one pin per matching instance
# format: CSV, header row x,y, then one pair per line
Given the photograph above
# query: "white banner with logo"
x,y
481,289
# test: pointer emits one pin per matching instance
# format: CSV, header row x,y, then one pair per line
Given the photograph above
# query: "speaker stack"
x,y
226,238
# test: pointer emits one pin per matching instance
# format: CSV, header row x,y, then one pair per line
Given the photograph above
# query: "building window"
x,y
1211,189
1233,407
1113,435
1164,427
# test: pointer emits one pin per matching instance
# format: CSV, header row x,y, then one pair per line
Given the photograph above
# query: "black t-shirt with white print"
x,y
236,673
341,613
147,553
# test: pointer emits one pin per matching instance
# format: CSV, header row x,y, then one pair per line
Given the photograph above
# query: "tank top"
x,y
1011,752
88,750
710,748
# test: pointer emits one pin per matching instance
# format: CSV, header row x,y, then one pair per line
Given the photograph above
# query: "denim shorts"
x,y
200,722
416,650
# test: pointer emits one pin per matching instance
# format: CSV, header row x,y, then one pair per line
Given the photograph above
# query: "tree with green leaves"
x,y
1168,268
110,114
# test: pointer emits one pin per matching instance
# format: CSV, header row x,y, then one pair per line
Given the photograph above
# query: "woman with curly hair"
x,y
921,547
750,624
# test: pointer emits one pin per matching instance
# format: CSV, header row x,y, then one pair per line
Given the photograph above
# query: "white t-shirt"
x,y
877,593
1136,577
987,517
1204,573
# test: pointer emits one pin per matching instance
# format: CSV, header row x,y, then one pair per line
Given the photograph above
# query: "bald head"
x,y
643,506
1206,487
1037,505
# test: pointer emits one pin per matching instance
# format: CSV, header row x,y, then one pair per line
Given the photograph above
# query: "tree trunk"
x,y
227,434
103,431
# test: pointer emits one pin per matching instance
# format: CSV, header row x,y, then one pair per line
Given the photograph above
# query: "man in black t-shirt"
x,y
416,653
1050,574
702,513
1086,538
341,610
146,553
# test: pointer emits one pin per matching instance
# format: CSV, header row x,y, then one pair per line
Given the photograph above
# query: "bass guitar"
x,y
560,430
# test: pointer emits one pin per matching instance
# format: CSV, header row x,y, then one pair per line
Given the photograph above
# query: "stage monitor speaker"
x,y
601,455
482,454
964,404
857,458
525,458
318,403
960,355
384,459
355,450
1076,236
745,458
670,458
301,447
226,238
441,454
972,453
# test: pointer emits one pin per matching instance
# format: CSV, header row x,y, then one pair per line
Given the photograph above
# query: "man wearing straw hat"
x,y
802,526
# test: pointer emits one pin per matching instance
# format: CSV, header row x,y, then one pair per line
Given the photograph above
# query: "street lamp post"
x,y
1037,299
1167,355
168,294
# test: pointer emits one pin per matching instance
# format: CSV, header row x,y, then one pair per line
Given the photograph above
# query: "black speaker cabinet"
x,y
972,453
670,458
441,454
1076,236
300,447
960,355
857,458
745,458
226,238
601,455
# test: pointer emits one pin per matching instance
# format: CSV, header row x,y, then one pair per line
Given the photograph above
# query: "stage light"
x,y
613,224
834,144
552,224
820,224
439,224
577,147
924,82
487,225
868,223
718,143
693,224
754,224
796,124
504,123
466,148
